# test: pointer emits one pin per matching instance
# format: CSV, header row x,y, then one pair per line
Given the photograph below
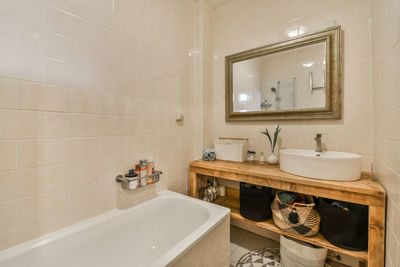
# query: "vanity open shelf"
x,y
231,201
366,191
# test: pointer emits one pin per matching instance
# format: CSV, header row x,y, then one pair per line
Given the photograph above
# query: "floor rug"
x,y
260,258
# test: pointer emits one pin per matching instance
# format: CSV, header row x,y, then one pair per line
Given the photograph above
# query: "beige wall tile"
x,y
113,105
8,155
20,124
97,170
100,81
8,93
33,153
113,146
9,216
63,23
58,177
9,32
77,198
83,102
9,8
35,96
18,184
82,149
108,192
31,11
63,125
99,36
40,41
62,73
126,125
42,207
95,125
20,65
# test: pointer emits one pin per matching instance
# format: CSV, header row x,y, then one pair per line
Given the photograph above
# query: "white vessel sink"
x,y
326,165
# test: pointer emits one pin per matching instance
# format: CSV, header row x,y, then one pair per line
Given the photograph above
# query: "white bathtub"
x,y
154,233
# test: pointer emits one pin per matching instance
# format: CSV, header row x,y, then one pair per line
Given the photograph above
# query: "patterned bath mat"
x,y
260,258
263,258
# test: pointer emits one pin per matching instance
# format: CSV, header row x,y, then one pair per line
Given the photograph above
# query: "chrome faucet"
x,y
318,140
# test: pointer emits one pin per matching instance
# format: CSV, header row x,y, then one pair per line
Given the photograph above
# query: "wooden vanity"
x,y
366,191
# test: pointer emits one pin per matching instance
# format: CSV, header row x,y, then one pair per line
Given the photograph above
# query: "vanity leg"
x,y
376,239
194,191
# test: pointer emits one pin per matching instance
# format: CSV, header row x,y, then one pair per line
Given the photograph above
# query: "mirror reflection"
x,y
287,80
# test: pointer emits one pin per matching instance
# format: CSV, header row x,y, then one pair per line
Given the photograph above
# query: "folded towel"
x,y
209,154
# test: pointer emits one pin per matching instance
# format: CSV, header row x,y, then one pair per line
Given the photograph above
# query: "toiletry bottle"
x,y
150,170
143,172
215,188
137,171
222,190
251,156
210,194
262,160
150,166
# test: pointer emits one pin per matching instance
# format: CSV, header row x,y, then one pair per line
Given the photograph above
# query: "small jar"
x,y
133,180
251,156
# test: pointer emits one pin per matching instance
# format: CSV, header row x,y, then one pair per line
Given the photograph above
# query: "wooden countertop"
x,y
367,185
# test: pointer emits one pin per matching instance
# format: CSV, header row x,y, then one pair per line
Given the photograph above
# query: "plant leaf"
x,y
268,135
277,130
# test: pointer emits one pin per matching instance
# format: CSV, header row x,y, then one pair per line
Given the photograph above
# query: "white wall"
x,y
88,88
241,25
386,114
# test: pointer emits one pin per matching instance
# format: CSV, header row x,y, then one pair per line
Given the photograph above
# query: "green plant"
x,y
275,140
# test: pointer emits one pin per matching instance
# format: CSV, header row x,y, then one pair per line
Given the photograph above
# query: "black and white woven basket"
x,y
299,219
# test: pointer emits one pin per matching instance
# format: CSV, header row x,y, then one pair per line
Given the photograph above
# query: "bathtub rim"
x,y
216,215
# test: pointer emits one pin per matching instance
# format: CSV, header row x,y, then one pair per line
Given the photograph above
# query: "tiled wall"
x,y
241,25
386,114
87,88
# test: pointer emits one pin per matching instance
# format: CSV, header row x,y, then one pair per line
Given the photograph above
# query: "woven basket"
x,y
299,219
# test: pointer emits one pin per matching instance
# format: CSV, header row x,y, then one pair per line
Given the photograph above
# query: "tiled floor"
x,y
243,241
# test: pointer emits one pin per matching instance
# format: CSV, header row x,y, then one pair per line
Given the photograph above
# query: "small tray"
x,y
125,181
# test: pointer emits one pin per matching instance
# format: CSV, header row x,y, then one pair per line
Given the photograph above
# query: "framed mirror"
x,y
293,80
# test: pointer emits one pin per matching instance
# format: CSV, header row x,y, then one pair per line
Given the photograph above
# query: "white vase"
x,y
273,159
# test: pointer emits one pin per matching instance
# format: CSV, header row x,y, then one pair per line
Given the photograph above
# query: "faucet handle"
x,y
319,135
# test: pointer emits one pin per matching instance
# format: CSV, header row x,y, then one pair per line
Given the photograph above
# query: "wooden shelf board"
x,y
233,204
367,185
